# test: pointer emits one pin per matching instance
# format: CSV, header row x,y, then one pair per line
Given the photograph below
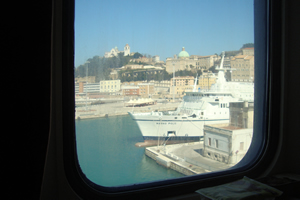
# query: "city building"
x,y
230,142
156,58
130,90
242,67
143,59
132,83
127,50
142,74
164,83
82,88
186,62
248,51
110,86
114,52
205,81
181,85
182,80
146,89
131,66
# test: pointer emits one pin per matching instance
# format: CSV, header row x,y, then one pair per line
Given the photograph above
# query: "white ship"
x,y
197,109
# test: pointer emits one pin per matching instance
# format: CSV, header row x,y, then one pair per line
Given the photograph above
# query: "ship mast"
x,y
195,85
221,75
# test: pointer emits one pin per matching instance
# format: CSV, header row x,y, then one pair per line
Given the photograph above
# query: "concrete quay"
x,y
119,108
185,158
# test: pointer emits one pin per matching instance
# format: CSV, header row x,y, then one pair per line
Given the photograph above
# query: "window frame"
x,y
265,117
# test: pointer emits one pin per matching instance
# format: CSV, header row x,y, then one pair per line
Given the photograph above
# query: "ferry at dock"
x,y
197,109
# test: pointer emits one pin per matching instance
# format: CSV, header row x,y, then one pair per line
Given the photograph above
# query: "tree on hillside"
x,y
137,55
247,45
230,53
101,67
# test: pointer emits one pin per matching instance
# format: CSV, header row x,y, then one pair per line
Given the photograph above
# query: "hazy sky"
x,y
161,27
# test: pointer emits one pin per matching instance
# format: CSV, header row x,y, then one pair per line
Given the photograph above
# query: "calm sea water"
x,y
107,154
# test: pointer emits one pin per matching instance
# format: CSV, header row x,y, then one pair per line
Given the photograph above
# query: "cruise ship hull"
x,y
171,129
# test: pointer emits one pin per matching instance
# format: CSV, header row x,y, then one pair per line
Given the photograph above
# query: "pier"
x,y
119,108
185,158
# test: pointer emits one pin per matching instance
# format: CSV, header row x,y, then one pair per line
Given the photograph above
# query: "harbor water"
x,y
108,156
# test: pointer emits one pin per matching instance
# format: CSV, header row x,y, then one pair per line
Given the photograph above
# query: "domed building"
x,y
186,62
180,62
183,54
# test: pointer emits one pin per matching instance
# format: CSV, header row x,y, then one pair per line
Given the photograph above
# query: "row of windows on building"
x,y
239,65
112,86
110,82
242,80
216,144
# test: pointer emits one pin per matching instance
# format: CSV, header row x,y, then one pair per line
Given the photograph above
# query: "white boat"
x,y
196,110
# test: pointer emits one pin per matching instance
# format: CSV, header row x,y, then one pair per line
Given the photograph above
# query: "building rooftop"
x,y
230,127
179,77
245,57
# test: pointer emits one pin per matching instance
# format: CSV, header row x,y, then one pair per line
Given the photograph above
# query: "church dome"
x,y
183,54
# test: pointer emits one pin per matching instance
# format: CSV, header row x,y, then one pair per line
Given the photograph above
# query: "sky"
x,y
161,27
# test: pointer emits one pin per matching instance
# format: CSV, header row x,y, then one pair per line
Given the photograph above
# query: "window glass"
x,y
145,123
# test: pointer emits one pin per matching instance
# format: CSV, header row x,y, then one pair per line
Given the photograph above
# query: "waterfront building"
x,y
132,83
242,68
110,86
130,90
146,90
164,83
83,87
230,142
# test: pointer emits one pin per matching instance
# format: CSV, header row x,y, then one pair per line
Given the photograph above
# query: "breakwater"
x,y
169,163
184,158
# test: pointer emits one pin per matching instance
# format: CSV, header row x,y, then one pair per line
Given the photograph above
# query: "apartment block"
x,y
110,86
130,90
146,89
242,68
